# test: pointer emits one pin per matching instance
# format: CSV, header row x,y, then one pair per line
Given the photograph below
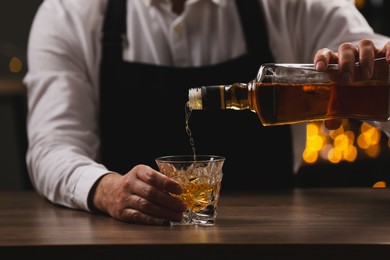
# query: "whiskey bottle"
x,y
294,93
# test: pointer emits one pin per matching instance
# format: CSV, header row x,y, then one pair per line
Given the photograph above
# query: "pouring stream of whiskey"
x,y
188,112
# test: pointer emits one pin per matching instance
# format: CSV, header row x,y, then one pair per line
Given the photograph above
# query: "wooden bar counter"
x,y
337,223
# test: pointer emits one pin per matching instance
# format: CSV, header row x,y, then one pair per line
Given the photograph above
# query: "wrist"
x,y
99,192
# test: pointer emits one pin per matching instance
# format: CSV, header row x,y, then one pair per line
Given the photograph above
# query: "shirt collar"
x,y
150,2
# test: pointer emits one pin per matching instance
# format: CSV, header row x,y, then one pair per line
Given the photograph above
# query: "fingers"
x,y
385,52
348,55
332,124
140,207
323,58
158,180
143,196
366,53
347,58
156,187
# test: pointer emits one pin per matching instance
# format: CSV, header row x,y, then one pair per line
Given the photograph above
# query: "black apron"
x,y
143,110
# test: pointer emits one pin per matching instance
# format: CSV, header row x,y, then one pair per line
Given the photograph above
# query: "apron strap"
x,y
252,15
114,29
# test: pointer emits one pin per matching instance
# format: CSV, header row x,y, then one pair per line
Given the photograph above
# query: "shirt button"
x,y
178,31
178,28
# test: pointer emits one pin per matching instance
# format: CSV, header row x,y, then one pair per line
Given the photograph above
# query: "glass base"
x,y
192,218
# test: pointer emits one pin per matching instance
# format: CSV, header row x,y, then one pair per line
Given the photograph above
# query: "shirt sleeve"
x,y
62,121
307,26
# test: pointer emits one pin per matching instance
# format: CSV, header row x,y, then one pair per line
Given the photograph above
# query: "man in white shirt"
x,y
107,86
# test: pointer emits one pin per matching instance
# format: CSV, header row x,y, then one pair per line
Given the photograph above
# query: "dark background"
x,y
15,21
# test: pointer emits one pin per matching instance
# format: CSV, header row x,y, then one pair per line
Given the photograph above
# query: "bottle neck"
x,y
219,97
237,96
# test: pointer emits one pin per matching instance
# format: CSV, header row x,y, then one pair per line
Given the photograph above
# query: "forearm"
x,y
63,177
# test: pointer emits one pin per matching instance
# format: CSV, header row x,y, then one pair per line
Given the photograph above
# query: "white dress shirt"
x,y
64,54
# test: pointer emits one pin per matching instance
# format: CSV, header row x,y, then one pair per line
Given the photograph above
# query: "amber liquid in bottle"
x,y
278,104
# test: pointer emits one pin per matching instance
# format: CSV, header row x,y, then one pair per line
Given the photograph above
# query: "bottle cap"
x,y
195,99
206,97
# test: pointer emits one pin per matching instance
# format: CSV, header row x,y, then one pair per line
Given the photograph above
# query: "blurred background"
x,y
15,21
354,149
356,153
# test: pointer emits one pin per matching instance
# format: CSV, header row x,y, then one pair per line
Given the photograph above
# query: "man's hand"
x,y
346,57
140,196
